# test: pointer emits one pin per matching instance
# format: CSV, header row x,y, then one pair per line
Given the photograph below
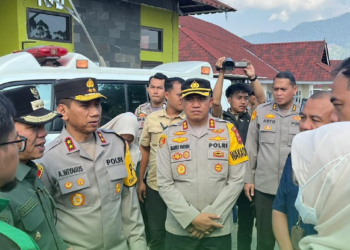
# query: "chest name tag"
x,y
69,171
27,207
180,147
114,160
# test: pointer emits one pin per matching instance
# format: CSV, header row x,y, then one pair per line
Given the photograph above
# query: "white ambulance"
x,y
125,88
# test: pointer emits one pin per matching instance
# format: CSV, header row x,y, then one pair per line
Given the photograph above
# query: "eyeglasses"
x,y
21,144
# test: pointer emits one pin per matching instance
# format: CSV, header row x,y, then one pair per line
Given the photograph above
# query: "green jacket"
x,y
13,238
32,209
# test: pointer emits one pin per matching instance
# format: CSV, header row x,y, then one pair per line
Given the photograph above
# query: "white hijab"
x,y
321,163
127,123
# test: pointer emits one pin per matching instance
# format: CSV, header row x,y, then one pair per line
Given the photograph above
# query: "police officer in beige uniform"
x,y
90,175
154,126
31,207
271,131
200,174
156,92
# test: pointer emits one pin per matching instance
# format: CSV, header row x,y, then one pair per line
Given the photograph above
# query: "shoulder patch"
x,y
162,140
40,170
131,179
237,151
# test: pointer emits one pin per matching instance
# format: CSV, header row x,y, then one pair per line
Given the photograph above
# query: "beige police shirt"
x,y
152,130
200,173
142,112
269,141
95,209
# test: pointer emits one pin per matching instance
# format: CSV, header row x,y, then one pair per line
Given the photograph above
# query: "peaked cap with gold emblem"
x,y
29,107
79,89
196,86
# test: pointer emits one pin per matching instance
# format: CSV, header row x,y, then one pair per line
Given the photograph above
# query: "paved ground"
x,y
234,239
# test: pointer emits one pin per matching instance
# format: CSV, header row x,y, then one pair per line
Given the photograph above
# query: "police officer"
x,y
200,173
154,126
156,92
90,175
271,131
31,207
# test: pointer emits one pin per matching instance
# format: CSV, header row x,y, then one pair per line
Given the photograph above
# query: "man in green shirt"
x,y
10,237
31,207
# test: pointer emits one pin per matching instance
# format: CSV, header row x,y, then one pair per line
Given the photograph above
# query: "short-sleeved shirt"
x,y
154,125
285,199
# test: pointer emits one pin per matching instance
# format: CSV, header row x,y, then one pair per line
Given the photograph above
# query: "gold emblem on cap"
x,y
90,84
35,93
194,85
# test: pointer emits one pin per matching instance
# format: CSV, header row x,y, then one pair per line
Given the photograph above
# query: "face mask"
x,y
307,214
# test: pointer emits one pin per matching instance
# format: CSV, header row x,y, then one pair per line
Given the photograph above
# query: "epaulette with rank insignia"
x,y
131,179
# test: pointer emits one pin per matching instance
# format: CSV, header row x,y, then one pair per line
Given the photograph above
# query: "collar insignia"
x,y
70,144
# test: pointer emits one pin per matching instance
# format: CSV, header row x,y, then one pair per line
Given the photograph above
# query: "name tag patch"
x,y
180,147
27,207
70,171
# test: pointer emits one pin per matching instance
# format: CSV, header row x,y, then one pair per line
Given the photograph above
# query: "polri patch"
x,y
114,160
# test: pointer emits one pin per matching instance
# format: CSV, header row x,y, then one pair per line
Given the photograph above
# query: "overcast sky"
x,y
254,16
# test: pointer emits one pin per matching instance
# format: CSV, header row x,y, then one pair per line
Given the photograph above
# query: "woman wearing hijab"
x,y
126,126
321,163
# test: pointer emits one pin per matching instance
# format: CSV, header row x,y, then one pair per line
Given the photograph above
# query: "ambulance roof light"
x,y
52,52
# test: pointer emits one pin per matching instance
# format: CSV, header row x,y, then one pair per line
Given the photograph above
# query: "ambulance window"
x,y
137,95
115,103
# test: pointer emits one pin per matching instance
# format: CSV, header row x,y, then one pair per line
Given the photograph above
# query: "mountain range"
x,y
336,32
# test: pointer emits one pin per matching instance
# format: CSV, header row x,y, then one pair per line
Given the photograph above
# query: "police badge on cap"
x,y
79,89
29,107
196,86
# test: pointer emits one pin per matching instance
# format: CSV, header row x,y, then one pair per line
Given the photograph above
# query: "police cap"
x,y
79,89
29,107
196,86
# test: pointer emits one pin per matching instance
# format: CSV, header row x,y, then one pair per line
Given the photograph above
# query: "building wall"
x,y
114,27
14,25
168,21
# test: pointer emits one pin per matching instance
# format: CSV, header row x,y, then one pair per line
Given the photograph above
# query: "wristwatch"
x,y
255,77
